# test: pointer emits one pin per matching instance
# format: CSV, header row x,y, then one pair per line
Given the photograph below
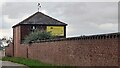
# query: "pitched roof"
x,y
40,19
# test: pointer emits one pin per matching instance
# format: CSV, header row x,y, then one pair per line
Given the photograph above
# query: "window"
x,y
33,28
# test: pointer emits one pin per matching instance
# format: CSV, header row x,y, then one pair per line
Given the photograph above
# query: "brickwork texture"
x,y
98,50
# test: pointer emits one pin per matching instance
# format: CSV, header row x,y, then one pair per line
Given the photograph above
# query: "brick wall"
x,y
76,52
98,50
9,50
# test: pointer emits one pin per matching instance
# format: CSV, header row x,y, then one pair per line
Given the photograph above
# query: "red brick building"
x,y
94,50
38,21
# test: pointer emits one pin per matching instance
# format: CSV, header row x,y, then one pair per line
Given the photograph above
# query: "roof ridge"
x,y
47,17
29,17
52,18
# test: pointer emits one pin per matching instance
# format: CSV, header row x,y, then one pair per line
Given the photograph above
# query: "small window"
x,y
33,28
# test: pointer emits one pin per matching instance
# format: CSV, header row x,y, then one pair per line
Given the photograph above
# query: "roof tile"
x,y
41,19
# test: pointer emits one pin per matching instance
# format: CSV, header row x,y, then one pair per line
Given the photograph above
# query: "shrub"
x,y
38,35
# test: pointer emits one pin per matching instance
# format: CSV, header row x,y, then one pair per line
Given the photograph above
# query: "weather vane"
x,y
39,6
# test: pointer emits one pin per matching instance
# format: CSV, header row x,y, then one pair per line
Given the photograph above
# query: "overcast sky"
x,y
83,18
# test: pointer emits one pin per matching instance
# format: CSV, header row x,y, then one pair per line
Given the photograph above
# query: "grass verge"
x,y
28,62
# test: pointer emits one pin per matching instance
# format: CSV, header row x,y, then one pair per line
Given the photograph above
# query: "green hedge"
x,y
37,35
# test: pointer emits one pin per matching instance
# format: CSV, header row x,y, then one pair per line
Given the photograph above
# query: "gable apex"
x,y
40,19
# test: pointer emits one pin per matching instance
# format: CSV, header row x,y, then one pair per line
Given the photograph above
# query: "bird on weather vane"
x,y
39,6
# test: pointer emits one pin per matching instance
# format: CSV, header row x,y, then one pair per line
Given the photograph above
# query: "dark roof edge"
x,y
35,14
24,20
39,24
53,18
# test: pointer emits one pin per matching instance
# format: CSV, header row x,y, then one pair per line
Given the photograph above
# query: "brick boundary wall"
x,y
95,50
9,50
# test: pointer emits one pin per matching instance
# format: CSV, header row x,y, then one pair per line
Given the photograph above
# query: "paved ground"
x,y
8,64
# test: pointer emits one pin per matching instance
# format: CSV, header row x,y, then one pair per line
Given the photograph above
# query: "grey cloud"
x,y
6,26
78,15
18,9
